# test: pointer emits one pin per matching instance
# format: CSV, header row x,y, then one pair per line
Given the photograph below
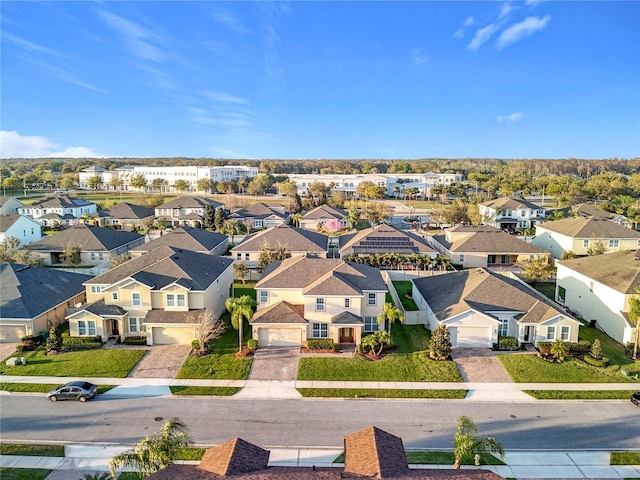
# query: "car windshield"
x,y
87,386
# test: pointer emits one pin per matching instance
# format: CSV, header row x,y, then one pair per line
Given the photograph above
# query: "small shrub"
x,y
440,343
195,344
579,348
54,341
135,340
596,350
70,344
321,344
629,348
508,343
544,348
602,362
252,344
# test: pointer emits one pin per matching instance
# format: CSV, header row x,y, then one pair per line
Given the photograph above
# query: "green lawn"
x,y
7,473
380,393
404,287
31,450
410,338
247,289
610,348
531,369
116,363
547,289
624,458
41,387
439,458
579,394
205,391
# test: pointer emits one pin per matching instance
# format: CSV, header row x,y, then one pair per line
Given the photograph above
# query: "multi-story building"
x,y
62,208
509,213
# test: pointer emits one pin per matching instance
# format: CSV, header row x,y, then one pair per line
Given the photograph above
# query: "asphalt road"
x,y
304,423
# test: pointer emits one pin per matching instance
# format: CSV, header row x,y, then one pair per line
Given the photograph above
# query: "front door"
x,y
346,335
527,334
114,328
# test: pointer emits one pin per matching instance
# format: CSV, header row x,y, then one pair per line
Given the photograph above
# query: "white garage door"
x,y
11,333
471,337
173,335
279,337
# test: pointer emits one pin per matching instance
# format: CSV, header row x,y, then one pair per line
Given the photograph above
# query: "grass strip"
x,y
7,473
381,393
41,387
579,394
439,458
624,458
190,453
31,450
206,391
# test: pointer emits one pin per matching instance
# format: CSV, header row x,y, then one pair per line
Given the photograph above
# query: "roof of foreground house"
x,y
589,227
484,291
369,454
322,276
164,265
27,292
511,203
485,240
187,238
295,239
618,270
127,211
6,221
323,212
88,237
382,239
257,210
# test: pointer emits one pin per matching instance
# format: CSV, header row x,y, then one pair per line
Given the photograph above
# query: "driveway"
x,y
7,349
161,361
275,363
479,365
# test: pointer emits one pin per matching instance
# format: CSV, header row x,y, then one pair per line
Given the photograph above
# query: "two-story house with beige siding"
x,y
159,295
578,234
305,297
509,213
187,210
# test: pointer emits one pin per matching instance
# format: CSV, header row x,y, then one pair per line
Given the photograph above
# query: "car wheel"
x,y
83,399
53,398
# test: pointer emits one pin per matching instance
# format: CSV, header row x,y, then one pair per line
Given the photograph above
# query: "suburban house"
x,y
125,216
187,238
261,215
592,210
297,242
383,239
577,234
160,295
319,215
304,297
97,244
478,306
370,453
33,299
187,210
483,246
509,213
9,205
599,288
58,209
25,229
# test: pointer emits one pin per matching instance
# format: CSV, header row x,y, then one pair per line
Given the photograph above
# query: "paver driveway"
x,y
479,365
161,361
275,363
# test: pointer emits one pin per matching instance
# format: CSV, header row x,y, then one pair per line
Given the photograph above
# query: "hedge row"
x,y
135,340
583,347
321,344
507,343
595,362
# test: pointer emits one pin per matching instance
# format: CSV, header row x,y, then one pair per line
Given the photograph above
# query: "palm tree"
x,y
240,308
376,340
410,193
296,218
391,313
466,444
152,454
559,350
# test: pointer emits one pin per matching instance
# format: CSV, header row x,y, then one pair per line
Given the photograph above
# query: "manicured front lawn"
x,y
380,393
7,473
531,369
410,338
404,287
205,391
579,394
41,387
247,289
624,458
547,289
610,348
115,363
31,450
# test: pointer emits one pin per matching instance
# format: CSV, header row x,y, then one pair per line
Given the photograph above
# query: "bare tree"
x,y
209,328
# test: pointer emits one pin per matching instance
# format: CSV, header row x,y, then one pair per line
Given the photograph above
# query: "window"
x,y
562,294
371,299
171,300
246,256
551,333
136,298
257,223
238,256
143,327
370,324
503,328
93,255
461,258
114,295
264,296
82,327
320,330
505,259
585,243
100,256
182,299
614,243
564,332
133,325
491,259
347,303
319,304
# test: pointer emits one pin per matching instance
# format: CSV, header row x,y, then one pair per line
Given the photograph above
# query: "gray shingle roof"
x,y
100,308
256,210
127,211
191,317
321,276
26,292
296,240
166,265
87,237
385,239
187,238
589,227
346,318
323,212
61,201
189,201
484,291
619,270
281,312
511,203
485,241
7,220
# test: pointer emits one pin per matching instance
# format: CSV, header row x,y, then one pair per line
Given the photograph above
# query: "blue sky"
x,y
304,80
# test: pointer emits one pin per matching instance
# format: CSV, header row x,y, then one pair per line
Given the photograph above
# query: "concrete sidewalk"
x,y
91,459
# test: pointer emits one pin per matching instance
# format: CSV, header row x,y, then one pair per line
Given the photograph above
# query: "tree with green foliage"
x,y
440,343
181,185
153,453
538,269
71,255
559,350
375,342
241,270
596,350
204,185
95,182
219,217
11,251
466,445
119,260
410,193
269,254
138,181
209,216
390,313
232,228
54,342
240,308
596,247
568,255
363,187
159,184
116,182
288,188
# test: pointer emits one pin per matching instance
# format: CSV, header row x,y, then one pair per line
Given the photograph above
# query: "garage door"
x,y
471,337
279,337
173,335
11,333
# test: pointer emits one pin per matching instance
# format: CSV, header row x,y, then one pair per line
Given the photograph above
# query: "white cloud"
x,y
32,47
533,3
417,57
514,117
468,22
521,30
482,35
506,9
14,145
142,42
225,98
228,20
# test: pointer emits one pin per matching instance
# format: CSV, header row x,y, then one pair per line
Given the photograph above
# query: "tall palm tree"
x,y
240,308
410,193
466,444
391,313
152,454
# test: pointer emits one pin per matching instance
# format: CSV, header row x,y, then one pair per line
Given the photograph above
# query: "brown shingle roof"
x,y
187,238
490,242
88,238
189,201
618,270
281,312
128,211
323,212
191,317
296,240
256,210
385,239
511,203
234,457
589,227
375,453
